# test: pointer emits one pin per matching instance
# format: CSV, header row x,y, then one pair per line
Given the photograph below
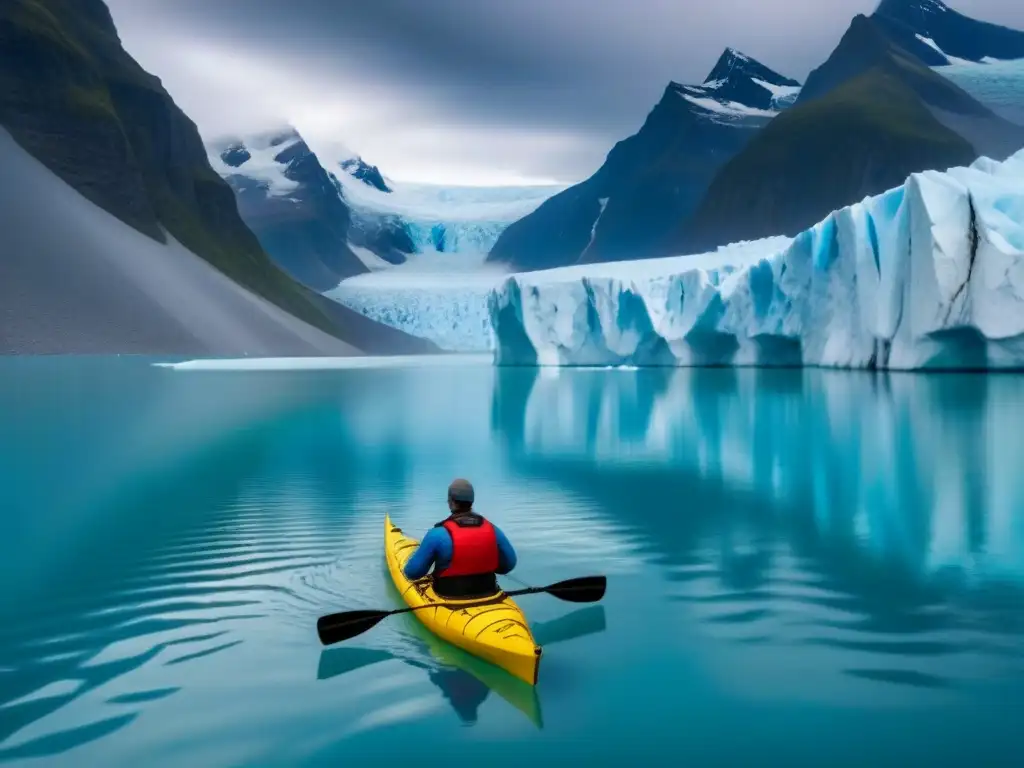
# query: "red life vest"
x,y
474,546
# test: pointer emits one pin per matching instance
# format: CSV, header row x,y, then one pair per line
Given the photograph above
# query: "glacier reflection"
x,y
914,468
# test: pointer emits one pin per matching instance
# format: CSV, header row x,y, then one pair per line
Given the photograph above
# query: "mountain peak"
x,y
734,64
738,78
910,8
862,46
937,34
877,48
370,175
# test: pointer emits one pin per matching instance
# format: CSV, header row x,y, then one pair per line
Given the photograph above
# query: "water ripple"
x,y
274,563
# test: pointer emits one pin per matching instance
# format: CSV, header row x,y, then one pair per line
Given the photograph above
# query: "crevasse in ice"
x,y
927,275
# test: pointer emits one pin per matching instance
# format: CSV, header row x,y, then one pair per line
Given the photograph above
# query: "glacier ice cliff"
x,y
441,299
929,275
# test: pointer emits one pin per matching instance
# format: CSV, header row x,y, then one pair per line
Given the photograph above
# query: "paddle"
x,y
342,626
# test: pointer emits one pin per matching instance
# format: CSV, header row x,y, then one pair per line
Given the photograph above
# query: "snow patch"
x,y
927,275
728,108
934,46
780,93
261,165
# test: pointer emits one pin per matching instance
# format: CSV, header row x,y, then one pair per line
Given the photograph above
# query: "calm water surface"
x,y
805,568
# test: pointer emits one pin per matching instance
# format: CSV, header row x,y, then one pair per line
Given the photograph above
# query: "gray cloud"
x,y
476,90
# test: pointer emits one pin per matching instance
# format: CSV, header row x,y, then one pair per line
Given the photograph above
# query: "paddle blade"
x,y
586,589
342,626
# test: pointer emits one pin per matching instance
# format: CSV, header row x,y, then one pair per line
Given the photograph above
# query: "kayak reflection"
x,y
464,680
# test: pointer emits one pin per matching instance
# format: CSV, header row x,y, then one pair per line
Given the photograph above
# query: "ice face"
x,y
440,297
444,297
927,275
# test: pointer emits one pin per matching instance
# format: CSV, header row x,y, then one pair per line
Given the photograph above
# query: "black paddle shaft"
x,y
337,627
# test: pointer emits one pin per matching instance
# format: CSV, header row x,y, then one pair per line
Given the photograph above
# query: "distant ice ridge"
x,y
927,275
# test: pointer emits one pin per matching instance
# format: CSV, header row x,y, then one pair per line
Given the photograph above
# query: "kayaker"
x,y
466,550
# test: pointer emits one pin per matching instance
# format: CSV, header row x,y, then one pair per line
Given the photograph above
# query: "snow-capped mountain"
x,y
984,59
359,169
739,79
938,35
869,116
295,208
325,218
655,178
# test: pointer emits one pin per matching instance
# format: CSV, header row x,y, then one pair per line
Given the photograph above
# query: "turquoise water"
x,y
805,568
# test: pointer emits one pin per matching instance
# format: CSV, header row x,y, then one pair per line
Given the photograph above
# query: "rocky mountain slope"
x,y
655,178
296,209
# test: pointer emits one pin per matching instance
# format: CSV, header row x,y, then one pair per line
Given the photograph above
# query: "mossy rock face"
x,y
73,97
56,104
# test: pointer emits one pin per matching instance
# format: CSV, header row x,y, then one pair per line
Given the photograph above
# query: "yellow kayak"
x,y
493,629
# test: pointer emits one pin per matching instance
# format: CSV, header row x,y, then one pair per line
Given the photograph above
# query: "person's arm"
x,y
417,566
506,554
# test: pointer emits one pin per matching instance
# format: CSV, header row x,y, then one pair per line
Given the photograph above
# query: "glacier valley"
x,y
443,220
927,275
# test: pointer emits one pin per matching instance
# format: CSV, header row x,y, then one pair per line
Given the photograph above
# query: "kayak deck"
x,y
493,628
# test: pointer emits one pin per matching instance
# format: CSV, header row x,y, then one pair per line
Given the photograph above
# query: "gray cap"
x,y
461,490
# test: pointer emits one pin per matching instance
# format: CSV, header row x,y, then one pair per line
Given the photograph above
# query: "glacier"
x,y
443,299
928,275
446,300
445,219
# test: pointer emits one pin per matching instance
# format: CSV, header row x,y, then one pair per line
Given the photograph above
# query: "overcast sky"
x,y
468,91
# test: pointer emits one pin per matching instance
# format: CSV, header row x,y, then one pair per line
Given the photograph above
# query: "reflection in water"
x,y
878,516
464,680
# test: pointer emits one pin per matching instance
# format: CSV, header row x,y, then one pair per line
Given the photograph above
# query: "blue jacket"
x,y
436,550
